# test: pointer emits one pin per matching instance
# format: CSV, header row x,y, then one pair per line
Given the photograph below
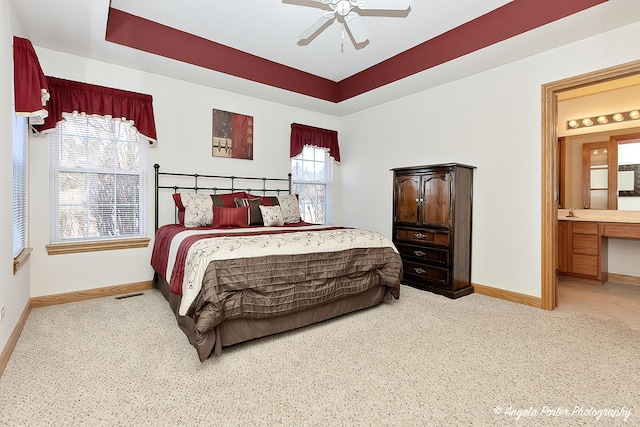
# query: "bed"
x,y
236,262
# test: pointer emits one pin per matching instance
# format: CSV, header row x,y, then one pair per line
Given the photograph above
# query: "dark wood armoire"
x,y
432,213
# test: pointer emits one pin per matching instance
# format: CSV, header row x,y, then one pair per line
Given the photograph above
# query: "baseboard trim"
x,y
623,278
507,295
13,338
108,291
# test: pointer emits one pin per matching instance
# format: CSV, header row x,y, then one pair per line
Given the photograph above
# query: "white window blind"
x,y
98,180
312,175
20,137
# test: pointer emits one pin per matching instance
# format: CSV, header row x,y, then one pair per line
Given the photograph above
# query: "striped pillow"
x,y
255,216
230,217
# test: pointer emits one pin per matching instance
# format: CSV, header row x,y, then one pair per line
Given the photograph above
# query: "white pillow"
x,y
198,209
271,216
290,208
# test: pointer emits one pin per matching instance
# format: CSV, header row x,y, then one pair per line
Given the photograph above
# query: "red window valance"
x,y
69,96
30,85
302,135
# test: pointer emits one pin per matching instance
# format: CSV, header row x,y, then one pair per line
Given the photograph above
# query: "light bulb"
x,y
618,117
587,122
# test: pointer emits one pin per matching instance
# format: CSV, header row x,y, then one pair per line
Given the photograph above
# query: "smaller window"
x,y
20,132
312,176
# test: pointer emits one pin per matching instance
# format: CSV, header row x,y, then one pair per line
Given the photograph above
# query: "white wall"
x,y
183,120
490,120
14,290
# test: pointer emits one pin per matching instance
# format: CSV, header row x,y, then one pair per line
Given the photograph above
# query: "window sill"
x,y
100,245
21,259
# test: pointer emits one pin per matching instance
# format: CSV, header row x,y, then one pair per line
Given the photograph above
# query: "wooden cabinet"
x,y
580,250
432,226
585,249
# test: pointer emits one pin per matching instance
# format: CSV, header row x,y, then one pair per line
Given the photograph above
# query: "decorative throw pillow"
x,y
227,200
230,217
266,200
198,210
271,216
290,208
178,201
255,216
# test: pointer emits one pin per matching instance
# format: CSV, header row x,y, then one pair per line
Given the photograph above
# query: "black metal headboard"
x,y
228,183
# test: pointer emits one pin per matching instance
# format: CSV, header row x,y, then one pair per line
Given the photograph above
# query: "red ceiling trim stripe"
x,y
508,21
512,19
143,34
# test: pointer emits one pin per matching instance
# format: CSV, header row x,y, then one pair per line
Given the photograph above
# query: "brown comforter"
x,y
264,287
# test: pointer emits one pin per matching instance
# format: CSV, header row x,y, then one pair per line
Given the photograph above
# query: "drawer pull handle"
x,y
419,270
419,253
420,236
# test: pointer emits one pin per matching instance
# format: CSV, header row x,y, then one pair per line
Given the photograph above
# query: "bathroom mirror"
x,y
600,171
598,158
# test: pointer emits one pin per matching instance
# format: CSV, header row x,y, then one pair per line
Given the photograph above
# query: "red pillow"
x,y
178,201
230,217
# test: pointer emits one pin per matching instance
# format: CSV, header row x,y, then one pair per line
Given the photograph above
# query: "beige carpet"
x,y
421,361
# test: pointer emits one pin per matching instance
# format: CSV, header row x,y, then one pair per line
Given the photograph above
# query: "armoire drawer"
x,y
430,255
418,272
423,236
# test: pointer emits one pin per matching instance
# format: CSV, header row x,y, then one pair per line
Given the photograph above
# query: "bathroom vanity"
x,y
583,241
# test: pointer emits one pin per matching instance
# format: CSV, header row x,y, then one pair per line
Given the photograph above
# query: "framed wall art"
x,y
232,135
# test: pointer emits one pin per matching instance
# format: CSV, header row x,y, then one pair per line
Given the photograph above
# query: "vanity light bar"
x,y
603,119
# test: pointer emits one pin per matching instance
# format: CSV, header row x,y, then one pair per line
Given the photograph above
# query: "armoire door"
x,y
436,194
407,199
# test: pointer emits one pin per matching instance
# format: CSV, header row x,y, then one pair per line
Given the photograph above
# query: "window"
x,y
19,184
312,175
98,180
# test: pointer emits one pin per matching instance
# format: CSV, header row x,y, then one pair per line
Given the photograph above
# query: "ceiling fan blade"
x,y
311,29
356,27
384,4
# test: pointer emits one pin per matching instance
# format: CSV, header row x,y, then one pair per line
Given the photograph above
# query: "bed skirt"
x,y
235,331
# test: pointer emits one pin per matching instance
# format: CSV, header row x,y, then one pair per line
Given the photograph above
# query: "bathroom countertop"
x,y
632,217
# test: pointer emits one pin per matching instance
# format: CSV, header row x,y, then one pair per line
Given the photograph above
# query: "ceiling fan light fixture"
x,y
343,7
348,10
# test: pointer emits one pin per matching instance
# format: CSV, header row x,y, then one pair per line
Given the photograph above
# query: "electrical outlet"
x,y
1,313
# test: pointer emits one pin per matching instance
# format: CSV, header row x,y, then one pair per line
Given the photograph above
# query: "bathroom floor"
x,y
612,300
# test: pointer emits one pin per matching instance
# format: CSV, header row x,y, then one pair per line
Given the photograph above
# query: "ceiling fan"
x,y
348,10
